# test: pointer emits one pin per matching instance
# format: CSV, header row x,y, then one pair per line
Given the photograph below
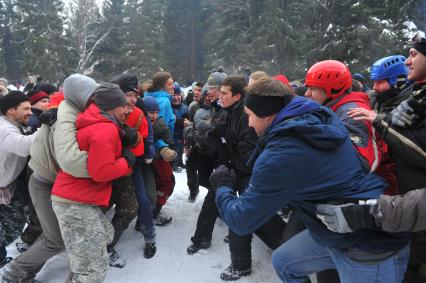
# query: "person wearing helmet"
x,y
390,84
329,83
404,131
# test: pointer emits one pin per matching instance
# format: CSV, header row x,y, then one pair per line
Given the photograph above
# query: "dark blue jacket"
x,y
181,112
308,157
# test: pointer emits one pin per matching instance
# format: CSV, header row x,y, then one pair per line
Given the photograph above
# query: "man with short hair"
x,y
300,138
14,151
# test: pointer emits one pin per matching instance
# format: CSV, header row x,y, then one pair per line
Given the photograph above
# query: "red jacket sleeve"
x,y
104,162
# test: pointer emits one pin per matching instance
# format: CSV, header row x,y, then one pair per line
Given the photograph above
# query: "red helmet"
x,y
332,76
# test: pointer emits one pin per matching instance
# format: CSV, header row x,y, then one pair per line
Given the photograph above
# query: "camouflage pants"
x,y
12,219
86,232
126,203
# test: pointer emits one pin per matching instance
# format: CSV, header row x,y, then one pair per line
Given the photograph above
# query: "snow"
x,y
171,262
411,30
330,26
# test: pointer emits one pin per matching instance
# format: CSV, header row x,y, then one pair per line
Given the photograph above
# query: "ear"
x,y
238,96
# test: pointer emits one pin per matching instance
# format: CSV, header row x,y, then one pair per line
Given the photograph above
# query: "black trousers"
x,y
192,170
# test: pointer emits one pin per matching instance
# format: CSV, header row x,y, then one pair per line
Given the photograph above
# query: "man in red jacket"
x,y
76,201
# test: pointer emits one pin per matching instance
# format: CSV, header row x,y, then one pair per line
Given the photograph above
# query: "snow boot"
x,y
162,220
233,274
115,260
8,274
150,250
194,248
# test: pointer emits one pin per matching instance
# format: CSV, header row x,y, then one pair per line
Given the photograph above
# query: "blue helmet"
x,y
389,68
176,88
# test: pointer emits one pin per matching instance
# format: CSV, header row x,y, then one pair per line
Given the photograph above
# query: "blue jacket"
x,y
181,112
166,111
308,157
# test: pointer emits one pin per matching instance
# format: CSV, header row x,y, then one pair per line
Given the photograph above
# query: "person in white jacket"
x,y
14,151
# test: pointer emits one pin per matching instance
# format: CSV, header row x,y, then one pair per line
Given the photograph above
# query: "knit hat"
x,y
108,96
176,88
420,45
359,77
12,99
47,88
283,79
4,81
127,82
215,79
36,95
151,104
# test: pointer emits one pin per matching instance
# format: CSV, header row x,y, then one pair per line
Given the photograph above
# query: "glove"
x,y
332,217
167,154
222,176
49,117
347,218
404,115
129,156
129,136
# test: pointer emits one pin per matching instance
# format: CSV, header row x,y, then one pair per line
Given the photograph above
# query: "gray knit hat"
x,y
215,79
108,96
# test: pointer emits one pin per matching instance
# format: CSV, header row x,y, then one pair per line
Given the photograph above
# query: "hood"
x,y
92,115
78,90
314,124
158,94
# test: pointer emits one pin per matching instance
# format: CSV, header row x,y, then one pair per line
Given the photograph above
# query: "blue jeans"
x,y
302,255
146,223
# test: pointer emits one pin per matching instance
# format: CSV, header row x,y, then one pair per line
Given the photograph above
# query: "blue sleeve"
x,y
159,144
267,193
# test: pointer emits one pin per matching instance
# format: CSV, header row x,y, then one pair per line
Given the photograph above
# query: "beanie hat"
x,y
36,95
215,79
359,77
12,99
127,82
151,104
420,45
283,79
47,88
176,88
108,96
4,81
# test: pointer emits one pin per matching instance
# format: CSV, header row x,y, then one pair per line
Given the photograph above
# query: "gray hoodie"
x,y
78,90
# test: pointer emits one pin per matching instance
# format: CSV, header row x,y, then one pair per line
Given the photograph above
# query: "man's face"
x,y
153,116
132,97
121,112
380,86
260,125
169,86
416,63
213,92
316,94
197,93
21,113
177,99
226,97
41,104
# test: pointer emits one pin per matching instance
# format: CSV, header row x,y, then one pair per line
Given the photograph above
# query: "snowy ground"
x,y
171,262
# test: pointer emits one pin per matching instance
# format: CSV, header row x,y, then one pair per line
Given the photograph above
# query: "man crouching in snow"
x,y
305,155
84,227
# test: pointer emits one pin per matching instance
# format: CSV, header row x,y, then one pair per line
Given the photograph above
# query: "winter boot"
x,y
233,274
9,274
162,220
115,260
150,250
193,195
194,248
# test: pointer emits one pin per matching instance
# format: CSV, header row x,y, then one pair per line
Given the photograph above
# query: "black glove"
x,y
129,156
419,109
129,136
222,176
49,117
361,217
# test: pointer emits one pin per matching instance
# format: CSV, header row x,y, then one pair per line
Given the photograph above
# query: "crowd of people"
x,y
328,173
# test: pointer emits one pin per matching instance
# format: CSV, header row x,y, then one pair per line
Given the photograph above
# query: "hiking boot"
x,y
9,274
193,195
150,250
115,260
232,274
194,248
162,220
